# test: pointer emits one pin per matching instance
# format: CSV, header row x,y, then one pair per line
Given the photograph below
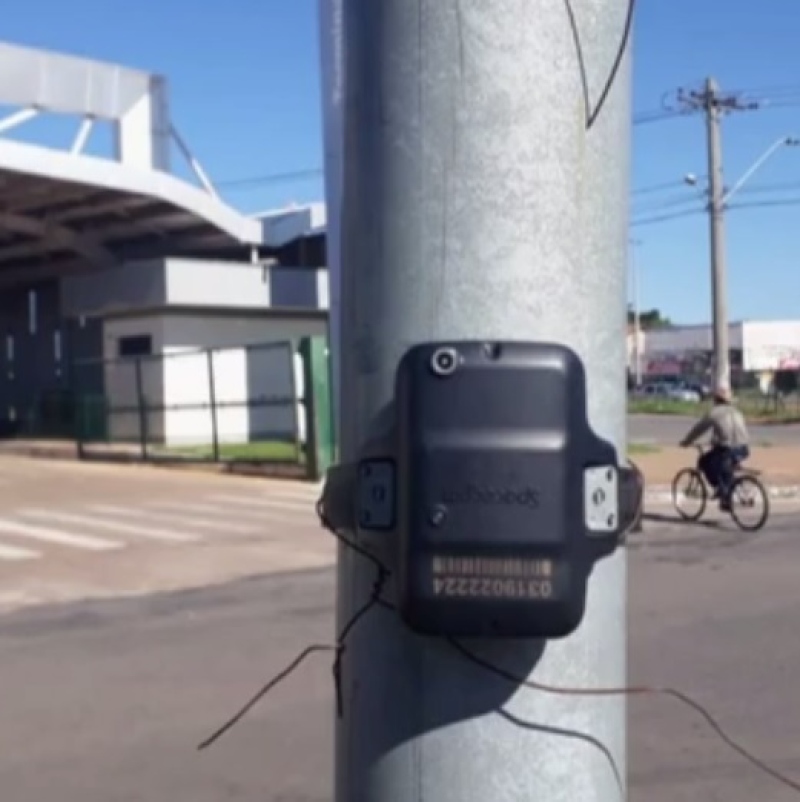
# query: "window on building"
x,y
135,345
57,345
9,347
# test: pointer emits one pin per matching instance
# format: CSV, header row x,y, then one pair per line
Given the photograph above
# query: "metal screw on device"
x,y
437,515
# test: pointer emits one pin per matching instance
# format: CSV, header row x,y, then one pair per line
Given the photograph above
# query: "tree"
x,y
649,319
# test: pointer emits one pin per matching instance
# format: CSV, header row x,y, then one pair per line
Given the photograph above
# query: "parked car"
x,y
672,391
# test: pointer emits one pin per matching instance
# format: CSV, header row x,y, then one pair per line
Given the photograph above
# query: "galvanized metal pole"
x,y
477,205
331,21
637,315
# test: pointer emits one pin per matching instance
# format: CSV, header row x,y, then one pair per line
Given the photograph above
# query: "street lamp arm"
x,y
748,174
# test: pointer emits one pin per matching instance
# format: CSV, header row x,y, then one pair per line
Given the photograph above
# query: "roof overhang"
x,y
58,208
62,211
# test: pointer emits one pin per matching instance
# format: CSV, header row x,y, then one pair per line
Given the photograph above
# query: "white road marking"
x,y
149,532
267,503
167,518
306,492
225,511
47,535
15,553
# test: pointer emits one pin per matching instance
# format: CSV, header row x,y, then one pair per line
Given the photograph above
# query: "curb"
x,y
268,470
655,494
662,494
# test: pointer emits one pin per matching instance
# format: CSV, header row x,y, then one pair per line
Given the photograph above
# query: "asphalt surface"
x,y
72,531
104,701
670,429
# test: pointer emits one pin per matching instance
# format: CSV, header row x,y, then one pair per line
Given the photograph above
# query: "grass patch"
x,y
664,406
754,409
637,449
269,451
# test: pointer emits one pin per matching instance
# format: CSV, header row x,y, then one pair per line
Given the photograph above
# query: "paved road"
x,y
669,429
103,701
71,530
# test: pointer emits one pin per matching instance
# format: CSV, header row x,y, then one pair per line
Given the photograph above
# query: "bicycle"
x,y
745,492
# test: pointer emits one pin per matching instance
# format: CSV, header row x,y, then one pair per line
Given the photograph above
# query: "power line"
x,y
779,186
247,182
792,89
663,218
653,188
271,178
671,203
656,116
767,203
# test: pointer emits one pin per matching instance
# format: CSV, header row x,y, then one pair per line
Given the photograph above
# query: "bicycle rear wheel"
x,y
749,503
689,494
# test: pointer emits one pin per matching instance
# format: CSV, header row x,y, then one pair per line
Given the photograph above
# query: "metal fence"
x,y
242,404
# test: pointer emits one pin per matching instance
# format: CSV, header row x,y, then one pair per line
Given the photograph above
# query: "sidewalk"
x,y
779,467
128,454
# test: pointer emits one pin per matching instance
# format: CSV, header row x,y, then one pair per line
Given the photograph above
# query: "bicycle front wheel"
x,y
749,503
689,494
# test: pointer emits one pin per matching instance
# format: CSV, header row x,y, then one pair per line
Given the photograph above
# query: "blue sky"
x,y
245,94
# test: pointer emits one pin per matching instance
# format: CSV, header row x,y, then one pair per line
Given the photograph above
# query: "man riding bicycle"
x,y
729,444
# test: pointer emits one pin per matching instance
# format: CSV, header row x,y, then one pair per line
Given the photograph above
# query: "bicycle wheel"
x,y
749,503
689,494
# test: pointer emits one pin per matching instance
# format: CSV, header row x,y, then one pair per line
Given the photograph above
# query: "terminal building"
x,y
111,257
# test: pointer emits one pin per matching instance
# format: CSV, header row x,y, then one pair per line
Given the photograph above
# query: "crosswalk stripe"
x,y
165,517
268,503
305,492
150,532
225,511
47,535
16,553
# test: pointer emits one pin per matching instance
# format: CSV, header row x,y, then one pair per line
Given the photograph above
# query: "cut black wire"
x,y
592,114
376,600
635,690
338,648
276,680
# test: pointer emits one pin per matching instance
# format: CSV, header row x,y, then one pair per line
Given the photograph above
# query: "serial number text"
x,y
472,588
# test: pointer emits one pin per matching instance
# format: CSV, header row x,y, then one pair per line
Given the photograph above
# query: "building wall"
x,y
193,282
771,345
756,346
299,289
131,286
122,385
223,331
687,338
249,374
32,349
249,382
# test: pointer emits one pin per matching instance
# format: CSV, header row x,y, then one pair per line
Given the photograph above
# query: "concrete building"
x,y
184,324
757,349
112,257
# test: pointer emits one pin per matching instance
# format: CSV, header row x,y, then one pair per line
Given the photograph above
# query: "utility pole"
x,y
714,104
716,211
476,204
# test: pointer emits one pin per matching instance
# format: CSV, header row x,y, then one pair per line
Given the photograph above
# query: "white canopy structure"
x,y
65,210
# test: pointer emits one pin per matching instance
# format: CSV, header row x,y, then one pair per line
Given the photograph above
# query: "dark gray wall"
x,y
36,354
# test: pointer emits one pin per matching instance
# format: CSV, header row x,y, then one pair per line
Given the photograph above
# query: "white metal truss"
x,y
68,206
115,203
